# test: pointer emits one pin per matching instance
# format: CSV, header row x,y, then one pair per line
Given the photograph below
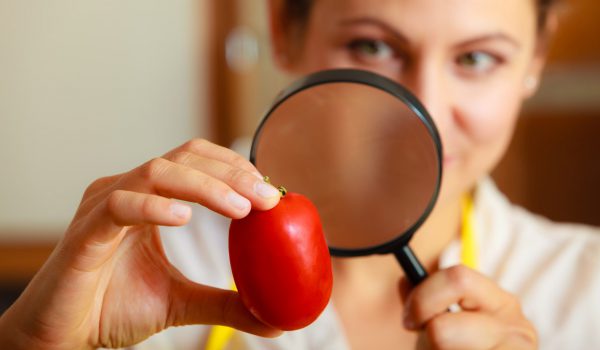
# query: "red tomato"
x,y
281,263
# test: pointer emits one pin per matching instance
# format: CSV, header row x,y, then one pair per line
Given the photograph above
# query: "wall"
x,y
87,89
552,164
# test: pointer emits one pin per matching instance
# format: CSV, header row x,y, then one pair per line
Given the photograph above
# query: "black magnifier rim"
x,y
380,82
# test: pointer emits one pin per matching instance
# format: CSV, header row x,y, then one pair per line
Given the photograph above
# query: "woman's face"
x,y
471,63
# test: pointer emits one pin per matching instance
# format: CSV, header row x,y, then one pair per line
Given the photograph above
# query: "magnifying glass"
x,y
365,151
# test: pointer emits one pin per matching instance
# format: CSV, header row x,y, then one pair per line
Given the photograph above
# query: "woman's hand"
x,y
491,318
108,282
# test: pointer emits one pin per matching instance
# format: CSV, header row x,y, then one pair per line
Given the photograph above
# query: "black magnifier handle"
x,y
415,272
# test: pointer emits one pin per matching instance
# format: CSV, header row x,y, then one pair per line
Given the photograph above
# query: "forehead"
x,y
417,18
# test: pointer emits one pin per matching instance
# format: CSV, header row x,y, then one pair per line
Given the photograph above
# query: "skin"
x,y
472,75
108,282
111,256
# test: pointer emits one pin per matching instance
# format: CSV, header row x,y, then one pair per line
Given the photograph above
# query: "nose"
x,y
427,81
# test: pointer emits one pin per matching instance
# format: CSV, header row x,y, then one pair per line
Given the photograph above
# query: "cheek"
x,y
485,118
489,117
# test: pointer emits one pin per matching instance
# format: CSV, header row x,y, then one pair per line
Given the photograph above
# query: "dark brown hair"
x,y
298,11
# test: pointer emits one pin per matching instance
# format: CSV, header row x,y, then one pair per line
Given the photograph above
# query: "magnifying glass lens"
x,y
364,157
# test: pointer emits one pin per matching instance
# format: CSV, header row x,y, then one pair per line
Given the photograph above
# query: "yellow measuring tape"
x,y
221,335
469,255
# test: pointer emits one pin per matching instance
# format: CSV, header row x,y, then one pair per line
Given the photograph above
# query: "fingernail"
x,y
265,190
181,211
238,201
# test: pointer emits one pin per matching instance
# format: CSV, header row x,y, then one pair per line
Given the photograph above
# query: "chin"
x,y
455,184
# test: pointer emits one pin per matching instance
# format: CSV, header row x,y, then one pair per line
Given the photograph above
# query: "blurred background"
x,y
93,88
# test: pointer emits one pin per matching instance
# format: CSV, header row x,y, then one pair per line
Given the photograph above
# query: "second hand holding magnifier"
x,y
365,151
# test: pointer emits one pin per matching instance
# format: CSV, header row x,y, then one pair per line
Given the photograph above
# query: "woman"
x,y
472,63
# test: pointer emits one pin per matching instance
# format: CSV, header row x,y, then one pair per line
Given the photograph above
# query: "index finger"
x,y
208,149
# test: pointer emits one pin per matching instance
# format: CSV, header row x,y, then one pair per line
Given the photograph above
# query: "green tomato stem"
x,y
281,189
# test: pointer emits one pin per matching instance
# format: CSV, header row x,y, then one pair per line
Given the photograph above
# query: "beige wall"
x,y
90,88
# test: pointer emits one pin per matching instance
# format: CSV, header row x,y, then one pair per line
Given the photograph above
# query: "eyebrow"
x,y
401,37
493,36
373,21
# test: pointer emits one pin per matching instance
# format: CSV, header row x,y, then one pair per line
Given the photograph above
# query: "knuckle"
x,y
195,144
96,186
206,183
238,160
153,168
209,185
148,207
235,175
113,202
459,276
512,304
182,157
529,334
178,304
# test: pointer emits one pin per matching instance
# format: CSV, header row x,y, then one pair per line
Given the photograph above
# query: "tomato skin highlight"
x,y
281,264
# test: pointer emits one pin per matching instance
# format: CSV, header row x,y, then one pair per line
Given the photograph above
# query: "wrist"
x,y
11,336
14,333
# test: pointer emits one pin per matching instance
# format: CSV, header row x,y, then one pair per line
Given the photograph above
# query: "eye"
x,y
477,61
371,49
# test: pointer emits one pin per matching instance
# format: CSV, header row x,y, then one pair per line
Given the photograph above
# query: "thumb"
x,y
199,304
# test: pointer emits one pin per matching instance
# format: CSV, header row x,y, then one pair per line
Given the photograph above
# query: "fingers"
x,y
462,331
249,184
198,304
95,192
173,180
95,239
198,171
475,330
208,174
206,149
131,208
458,284
491,318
